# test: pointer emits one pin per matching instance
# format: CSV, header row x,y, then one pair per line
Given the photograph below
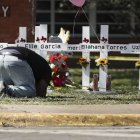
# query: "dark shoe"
x,y
2,89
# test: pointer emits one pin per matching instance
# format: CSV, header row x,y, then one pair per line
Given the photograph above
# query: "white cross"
x,y
103,47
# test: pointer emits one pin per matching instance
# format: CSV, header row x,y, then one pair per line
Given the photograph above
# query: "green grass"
x,y
124,83
71,97
121,78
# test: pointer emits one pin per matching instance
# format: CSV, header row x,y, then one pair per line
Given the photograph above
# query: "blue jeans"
x,y
18,76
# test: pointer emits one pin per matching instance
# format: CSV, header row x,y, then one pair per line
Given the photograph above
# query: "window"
x,y
60,13
122,16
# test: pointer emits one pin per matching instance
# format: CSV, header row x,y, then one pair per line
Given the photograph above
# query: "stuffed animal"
x,y
63,37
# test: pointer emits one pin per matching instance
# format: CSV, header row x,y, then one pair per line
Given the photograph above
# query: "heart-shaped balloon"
x,y
78,3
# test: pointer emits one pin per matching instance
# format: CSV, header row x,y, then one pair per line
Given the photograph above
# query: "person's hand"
x,y
64,35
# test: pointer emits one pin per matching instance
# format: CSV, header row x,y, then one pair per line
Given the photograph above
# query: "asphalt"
x,y
70,115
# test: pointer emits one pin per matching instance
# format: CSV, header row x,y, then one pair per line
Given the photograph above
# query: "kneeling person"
x,y
23,72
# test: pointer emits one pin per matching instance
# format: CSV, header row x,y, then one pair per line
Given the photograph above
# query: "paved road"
x,y
71,133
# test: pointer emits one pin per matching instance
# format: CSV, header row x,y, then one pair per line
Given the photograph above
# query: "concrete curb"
x,y
43,119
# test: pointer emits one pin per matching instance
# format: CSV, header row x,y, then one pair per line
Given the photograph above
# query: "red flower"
x,y
56,70
63,77
64,66
57,57
64,57
56,81
52,58
58,54
59,81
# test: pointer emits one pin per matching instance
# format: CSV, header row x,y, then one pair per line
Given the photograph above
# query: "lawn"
x,y
124,83
121,78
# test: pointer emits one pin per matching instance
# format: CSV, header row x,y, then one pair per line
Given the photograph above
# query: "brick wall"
x,y
19,14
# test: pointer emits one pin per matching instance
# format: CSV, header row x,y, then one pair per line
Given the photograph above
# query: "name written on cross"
x,y
124,48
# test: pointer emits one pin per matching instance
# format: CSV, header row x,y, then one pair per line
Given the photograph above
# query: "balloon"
x,y
78,3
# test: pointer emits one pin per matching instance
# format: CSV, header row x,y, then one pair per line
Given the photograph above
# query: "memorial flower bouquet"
x,y
101,61
60,70
137,64
83,62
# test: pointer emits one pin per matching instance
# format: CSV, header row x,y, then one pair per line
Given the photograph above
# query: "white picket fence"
x,y
41,46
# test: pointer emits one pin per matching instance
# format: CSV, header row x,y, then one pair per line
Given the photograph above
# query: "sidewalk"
x,y
79,115
73,109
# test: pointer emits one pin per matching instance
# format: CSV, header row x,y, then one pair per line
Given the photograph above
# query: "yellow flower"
x,y
83,62
101,61
137,64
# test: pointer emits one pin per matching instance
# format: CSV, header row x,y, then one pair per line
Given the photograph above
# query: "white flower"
x,y
67,74
48,57
52,66
97,60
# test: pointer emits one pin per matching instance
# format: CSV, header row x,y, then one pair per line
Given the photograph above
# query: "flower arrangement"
x,y
84,62
60,71
101,61
137,64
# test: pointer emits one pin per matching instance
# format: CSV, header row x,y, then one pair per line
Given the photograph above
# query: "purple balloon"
x,y
78,3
